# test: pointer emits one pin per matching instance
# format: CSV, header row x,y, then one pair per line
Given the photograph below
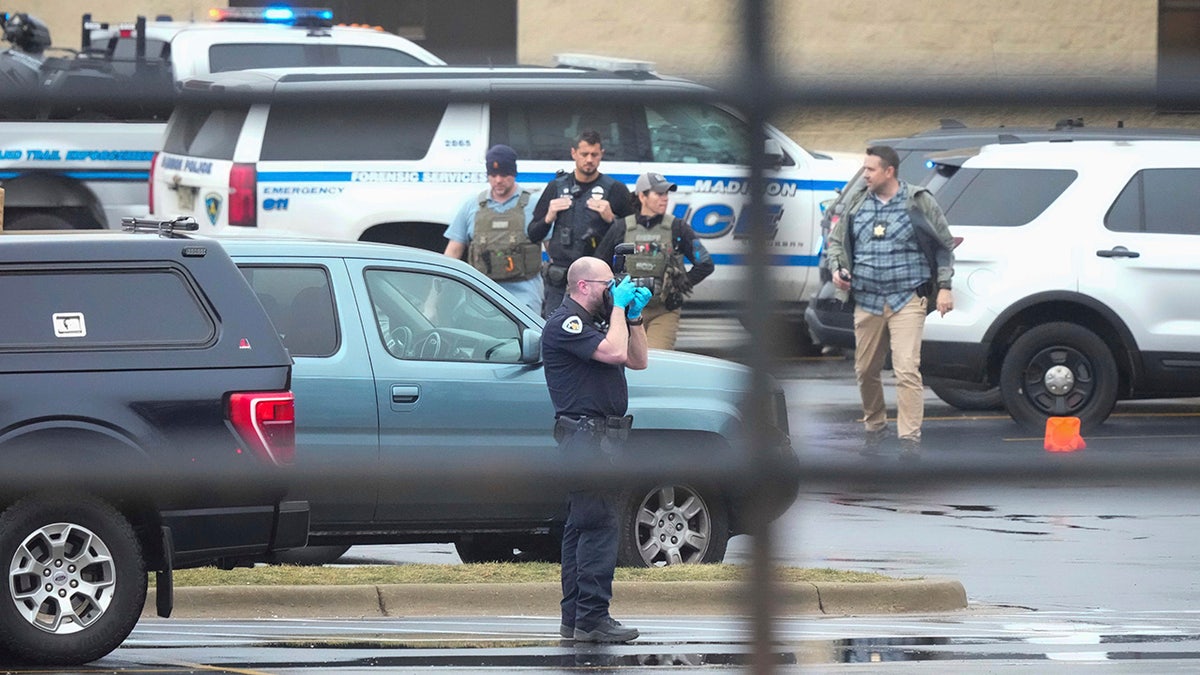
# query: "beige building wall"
x,y
991,40
63,16
1112,41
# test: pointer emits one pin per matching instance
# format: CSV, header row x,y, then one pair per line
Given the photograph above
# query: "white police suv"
x,y
1076,280
75,152
240,38
389,155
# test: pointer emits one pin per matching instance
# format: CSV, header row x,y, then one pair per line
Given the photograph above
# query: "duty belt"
x,y
613,426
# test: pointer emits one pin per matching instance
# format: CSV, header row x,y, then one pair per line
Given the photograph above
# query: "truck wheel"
x,y
969,399
309,556
1058,370
75,583
669,525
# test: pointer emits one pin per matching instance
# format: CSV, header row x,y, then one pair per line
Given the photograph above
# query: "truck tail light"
x,y
150,197
243,195
266,423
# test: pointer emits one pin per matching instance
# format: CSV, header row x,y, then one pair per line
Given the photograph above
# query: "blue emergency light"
x,y
280,14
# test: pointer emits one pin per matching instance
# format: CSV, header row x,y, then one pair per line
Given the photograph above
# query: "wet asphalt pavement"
x,y
1061,576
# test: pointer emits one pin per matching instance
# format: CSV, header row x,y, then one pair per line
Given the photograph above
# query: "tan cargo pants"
x,y
662,326
901,331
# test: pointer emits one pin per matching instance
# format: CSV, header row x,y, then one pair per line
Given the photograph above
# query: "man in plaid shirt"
x,y
893,250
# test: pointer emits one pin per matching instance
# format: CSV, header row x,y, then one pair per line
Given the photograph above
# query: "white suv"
x,y
241,38
390,154
1077,276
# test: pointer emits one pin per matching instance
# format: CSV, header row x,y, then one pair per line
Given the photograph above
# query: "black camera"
x,y
618,263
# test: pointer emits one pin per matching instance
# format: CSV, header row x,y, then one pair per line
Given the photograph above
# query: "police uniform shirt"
x,y
580,385
619,200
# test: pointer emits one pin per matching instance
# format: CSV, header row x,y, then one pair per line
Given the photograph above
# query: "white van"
x,y
389,155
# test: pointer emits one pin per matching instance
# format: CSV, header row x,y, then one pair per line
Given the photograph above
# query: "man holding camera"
x,y
588,342
574,213
652,244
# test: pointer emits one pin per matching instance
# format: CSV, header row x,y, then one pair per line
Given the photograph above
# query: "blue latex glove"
x,y
623,292
641,297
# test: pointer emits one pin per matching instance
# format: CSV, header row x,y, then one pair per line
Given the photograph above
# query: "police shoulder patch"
x,y
573,325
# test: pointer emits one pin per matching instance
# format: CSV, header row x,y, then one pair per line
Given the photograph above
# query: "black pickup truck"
x,y
146,420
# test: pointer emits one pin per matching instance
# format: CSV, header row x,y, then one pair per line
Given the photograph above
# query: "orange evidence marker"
x,y
1062,434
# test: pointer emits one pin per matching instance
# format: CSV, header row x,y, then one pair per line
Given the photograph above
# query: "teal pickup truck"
x,y
402,353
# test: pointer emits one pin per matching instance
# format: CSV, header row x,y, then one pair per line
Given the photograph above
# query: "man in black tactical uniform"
x,y
587,343
574,213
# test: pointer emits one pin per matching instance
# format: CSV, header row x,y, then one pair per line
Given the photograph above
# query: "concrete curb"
x,y
711,598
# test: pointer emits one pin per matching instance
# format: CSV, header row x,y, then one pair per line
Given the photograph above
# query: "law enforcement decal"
x,y
597,192
212,206
573,325
71,325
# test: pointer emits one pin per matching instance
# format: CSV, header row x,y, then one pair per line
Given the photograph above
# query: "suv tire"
x,y
1059,370
93,558
669,525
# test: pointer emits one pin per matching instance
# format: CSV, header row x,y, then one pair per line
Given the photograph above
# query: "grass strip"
x,y
499,573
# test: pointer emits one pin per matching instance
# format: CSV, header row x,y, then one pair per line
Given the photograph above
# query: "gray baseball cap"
x,y
654,181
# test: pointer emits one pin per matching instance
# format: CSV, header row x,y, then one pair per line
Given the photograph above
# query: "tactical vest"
x,y
577,229
654,254
500,247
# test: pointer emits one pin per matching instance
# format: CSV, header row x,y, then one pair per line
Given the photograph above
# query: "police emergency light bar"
x,y
610,64
292,16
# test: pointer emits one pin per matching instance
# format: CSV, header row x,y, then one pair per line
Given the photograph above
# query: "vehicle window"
x,y
90,309
428,317
1001,197
124,54
300,304
697,134
357,55
1157,200
547,132
312,132
226,57
204,132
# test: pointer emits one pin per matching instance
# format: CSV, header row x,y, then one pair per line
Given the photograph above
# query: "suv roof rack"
x,y
164,228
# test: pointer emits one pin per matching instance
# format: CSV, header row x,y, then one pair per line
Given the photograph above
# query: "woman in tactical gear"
x,y
660,245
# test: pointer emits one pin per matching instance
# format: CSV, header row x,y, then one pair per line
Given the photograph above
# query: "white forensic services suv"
x,y
1076,280
389,155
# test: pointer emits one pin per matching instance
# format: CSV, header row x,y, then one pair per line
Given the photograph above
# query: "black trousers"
x,y
589,545
554,298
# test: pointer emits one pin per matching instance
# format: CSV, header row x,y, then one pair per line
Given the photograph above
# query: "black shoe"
x,y
910,449
873,442
608,630
567,632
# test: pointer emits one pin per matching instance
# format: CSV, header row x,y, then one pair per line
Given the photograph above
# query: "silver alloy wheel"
x,y
62,578
674,525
